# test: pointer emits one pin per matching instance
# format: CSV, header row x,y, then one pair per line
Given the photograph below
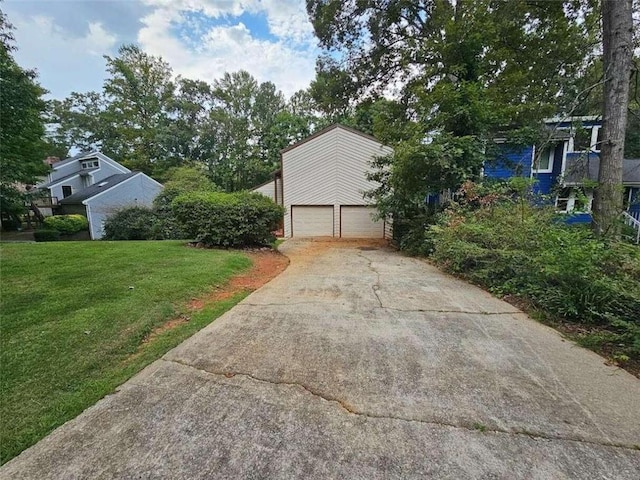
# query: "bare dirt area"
x,y
267,264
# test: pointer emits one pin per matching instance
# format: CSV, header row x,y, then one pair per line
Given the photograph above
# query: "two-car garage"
x,y
325,181
345,221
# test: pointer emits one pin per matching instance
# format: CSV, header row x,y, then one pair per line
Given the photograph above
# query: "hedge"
x,y
46,235
227,219
66,224
132,223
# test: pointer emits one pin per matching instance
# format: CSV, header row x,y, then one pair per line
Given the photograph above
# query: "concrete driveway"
x,y
357,362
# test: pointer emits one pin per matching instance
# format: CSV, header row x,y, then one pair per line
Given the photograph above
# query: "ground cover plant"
x,y
588,287
76,319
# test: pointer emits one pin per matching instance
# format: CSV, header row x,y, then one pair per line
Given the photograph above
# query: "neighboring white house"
x,y
323,185
95,186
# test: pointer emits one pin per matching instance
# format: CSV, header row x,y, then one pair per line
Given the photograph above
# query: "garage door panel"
x,y
357,222
312,221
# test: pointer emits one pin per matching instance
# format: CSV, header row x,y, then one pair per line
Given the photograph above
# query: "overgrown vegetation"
x,y
228,219
70,334
495,239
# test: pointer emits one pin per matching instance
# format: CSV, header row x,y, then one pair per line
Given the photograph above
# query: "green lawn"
x,y
74,316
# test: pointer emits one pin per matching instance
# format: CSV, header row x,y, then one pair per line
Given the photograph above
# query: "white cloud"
x,y
227,48
65,62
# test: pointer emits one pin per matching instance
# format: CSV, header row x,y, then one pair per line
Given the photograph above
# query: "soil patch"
x,y
267,264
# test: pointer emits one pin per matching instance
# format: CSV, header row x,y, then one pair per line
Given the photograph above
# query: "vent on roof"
x,y
102,184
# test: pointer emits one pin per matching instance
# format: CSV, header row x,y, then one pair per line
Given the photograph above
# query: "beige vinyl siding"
x,y
359,222
329,170
312,221
268,190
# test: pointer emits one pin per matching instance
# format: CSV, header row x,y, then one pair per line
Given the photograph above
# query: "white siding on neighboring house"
x,y
75,183
138,190
329,169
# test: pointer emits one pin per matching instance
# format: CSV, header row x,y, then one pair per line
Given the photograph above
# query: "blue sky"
x,y
65,40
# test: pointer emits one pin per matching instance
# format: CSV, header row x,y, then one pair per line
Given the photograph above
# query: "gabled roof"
x,y
328,129
58,180
75,158
581,166
97,188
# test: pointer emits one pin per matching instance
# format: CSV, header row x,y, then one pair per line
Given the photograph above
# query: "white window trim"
x,y
593,142
551,160
571,202
594,138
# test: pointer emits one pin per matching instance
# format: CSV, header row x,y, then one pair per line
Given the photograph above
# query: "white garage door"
x,y
357,222
312,221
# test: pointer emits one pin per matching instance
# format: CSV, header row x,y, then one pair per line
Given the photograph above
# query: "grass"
x,y
75,316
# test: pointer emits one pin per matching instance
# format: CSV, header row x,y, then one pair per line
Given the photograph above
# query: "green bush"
x,y
179,181
132,223
46,235
67,224
228,219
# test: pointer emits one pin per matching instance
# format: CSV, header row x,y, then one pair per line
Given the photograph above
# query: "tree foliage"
x,y
22,145
462,73
233,128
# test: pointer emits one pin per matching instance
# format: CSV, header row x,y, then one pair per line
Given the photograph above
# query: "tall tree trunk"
x,y
617,29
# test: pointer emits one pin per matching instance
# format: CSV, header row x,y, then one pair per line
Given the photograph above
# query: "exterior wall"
x,y
63,170
510,163
106,170
76,184
268,190
547,181
328,170
139,190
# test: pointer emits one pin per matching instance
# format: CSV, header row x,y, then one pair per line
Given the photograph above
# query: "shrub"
x,y
46,235
228,219
516,249
67,224
179,180
132,223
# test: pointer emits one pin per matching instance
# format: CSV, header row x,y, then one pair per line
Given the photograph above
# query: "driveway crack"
x,y
376,286
476,427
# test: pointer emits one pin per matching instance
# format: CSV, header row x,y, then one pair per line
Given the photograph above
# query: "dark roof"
x,y
97,188
61,179
328,129
580,167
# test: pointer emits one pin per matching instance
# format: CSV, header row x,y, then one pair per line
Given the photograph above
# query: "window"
x,y
598,140
545,161
66,191
562,200
572,199
582,140
90,164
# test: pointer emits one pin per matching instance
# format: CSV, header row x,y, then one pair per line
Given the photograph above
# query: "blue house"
x,y
567,167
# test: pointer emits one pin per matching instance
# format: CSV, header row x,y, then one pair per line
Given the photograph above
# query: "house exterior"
x,y
567,167
323,181
94,185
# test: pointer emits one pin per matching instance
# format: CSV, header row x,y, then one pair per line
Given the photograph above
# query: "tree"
x,y
617,55
244,111
137,94
464,72
22,146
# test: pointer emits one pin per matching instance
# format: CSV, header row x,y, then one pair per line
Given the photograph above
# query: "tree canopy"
x,y
22,145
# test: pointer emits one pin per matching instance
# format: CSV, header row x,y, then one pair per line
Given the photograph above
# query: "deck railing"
x,y
633,220
45,202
